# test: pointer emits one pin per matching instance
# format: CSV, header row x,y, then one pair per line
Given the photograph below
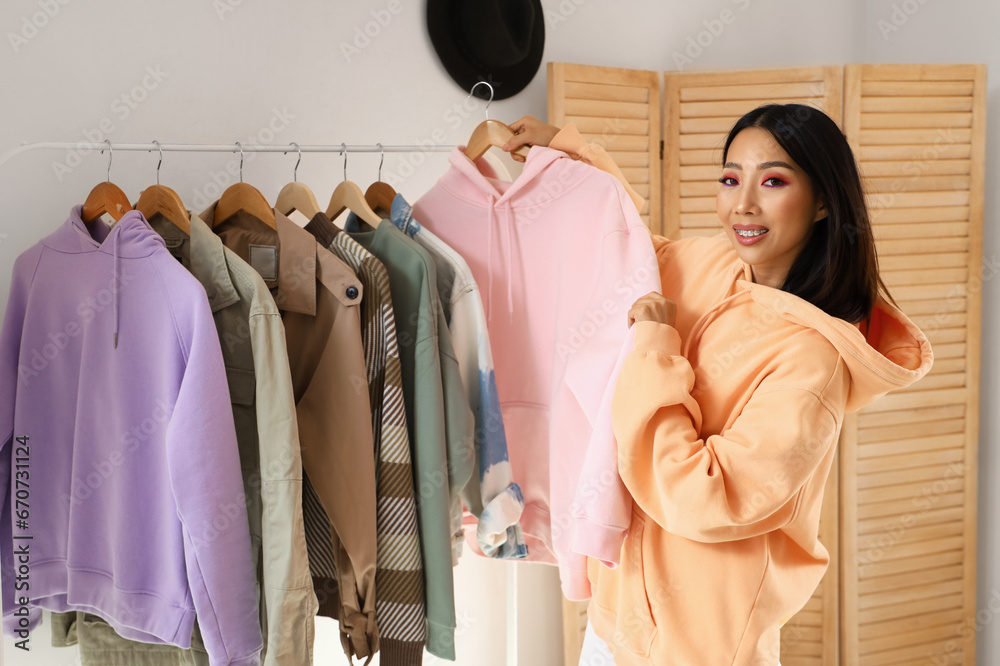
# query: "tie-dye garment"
x,y
493,501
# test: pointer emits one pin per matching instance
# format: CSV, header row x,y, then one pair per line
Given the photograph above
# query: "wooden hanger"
x,y
163,200
160,199
348,196
297,196
380,195
106,197
243,197
489,133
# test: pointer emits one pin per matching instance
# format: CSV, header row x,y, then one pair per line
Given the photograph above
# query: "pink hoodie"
x,y
560,255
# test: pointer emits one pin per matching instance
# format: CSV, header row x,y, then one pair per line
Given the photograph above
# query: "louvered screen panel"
x,y
908,522
620,110
699,110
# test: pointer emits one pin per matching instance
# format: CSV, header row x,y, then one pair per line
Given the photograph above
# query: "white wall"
x,y
231,70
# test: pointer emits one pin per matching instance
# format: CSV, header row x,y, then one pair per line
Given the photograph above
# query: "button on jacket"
x,y
319,299
399,581
253,349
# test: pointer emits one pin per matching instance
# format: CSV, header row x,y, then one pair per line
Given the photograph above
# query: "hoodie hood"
x,y
478,183
483,177
894,355
133,235
130,238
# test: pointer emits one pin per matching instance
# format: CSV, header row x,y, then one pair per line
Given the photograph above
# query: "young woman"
x,y
728,411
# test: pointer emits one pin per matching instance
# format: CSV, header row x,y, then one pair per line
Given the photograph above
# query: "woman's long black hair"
x,y
837,270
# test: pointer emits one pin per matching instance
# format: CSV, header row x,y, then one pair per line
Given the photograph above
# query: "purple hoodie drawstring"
x,y
115,287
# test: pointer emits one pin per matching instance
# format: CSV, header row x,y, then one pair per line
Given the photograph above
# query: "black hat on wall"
x,y
497,41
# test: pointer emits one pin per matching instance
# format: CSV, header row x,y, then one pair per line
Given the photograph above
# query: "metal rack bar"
x,y
225,148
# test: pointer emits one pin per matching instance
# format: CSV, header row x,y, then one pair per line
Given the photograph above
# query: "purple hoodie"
x,y
119,471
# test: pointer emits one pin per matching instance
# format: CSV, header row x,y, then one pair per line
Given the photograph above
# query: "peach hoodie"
x,y
727,426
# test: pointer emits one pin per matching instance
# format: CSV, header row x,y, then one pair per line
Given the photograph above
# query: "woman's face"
x,y
766,204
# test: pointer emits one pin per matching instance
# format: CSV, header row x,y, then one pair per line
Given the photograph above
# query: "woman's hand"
x,y
653,307
529,131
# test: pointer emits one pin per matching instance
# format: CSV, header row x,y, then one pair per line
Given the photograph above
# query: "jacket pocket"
x,y
242,385
628,601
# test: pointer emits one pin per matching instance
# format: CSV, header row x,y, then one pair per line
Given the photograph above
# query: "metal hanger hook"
x,y
295,171
489,101
111,156
343,151
380,160
160,163
241,160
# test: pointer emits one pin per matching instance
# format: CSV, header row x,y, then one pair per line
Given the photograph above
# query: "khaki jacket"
x,y
319,298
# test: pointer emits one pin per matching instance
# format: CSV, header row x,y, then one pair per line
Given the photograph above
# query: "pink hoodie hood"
x,y
479,183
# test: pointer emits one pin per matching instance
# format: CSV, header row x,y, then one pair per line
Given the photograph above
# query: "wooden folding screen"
x,y
620,110
908,462
899,515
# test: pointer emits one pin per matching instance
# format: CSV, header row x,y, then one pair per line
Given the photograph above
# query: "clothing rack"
x,y
224,148
512,578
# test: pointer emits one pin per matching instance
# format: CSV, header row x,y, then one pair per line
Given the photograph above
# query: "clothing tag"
x,y
264,259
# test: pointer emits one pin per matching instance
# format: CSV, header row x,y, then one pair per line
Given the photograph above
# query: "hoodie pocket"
x,y
628,602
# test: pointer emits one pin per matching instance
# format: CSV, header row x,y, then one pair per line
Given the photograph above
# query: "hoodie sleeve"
x,y
204,467
741,483
491,495
10,348
601,508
